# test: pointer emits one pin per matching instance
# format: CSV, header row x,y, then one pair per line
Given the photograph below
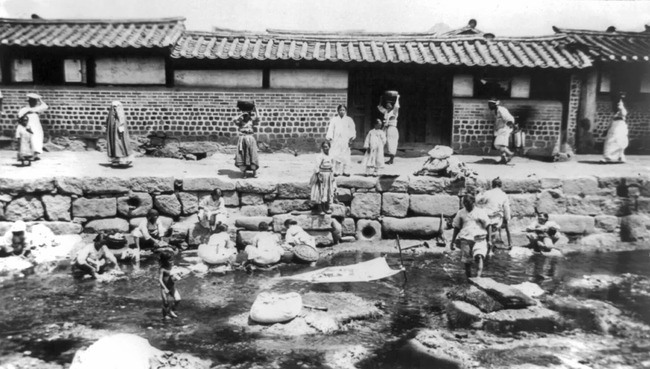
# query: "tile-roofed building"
x,y
416,48
469,29
86,33
611,45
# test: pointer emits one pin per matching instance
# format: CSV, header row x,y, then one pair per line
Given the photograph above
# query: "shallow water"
x,y
133,305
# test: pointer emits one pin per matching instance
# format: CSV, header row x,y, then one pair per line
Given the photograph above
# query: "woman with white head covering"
x,y
36,106
117,136
340,133
617,141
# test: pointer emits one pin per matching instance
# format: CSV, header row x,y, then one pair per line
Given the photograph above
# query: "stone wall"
x,y
189,114
473,124
638,118
369,208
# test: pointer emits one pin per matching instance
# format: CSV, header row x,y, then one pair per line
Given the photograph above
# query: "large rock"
x,y
251,223
151,184
136,204
94,208
522,205
474,296
69,185
427,185
294,190
550,183
532,319
105,185
189,202
510,298
599,241
306,221
395,204
366,205
168,205
417,227
256,186
344,195
393,184
574,224
254,211
322,238
287,206
245,238
29,186
189,228
356,182
348,228
633,228
251,199
24,208
207,184
107,225
60,228
587,205
339,210
461,314
436,349
446,205
134,353
57,207
607,223
511,185
368,230
551,202
580,186
590,315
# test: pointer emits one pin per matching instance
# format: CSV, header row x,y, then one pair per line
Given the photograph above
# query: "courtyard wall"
x,y
369,208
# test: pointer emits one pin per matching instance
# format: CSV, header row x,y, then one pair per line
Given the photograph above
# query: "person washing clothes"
x,y
471,228
212,210
373,159
36,106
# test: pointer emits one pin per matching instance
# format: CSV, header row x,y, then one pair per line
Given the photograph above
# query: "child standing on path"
x,y
374,145
24,138
167,285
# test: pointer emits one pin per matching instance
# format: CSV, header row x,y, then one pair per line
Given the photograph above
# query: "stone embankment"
x,y
369,208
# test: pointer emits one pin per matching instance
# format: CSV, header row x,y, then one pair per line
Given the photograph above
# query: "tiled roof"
x,y
137,33
417,48
613,45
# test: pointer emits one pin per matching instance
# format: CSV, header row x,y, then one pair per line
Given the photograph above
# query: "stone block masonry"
x,y
581,205
473,124
184,113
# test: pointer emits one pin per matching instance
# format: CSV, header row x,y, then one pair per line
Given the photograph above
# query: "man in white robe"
x,y
36,106
341,133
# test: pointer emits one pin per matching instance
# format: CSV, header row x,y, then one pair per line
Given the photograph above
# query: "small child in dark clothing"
x,y
167,285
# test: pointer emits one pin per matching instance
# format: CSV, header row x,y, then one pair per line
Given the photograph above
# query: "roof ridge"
x,y
363,37
87,21
601,33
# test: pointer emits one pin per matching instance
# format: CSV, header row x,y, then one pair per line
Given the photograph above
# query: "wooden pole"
x,y
401,260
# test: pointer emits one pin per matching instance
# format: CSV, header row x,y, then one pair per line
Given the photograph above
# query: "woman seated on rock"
x,y
92,258
265,248
544,235
150,232
212,210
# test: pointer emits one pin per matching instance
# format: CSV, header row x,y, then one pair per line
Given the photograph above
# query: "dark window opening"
x,y
492,86
48,70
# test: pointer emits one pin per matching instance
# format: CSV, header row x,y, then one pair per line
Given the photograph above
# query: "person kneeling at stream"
x,y
296,235
471,225
92,258
544,235
150,232
265,248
